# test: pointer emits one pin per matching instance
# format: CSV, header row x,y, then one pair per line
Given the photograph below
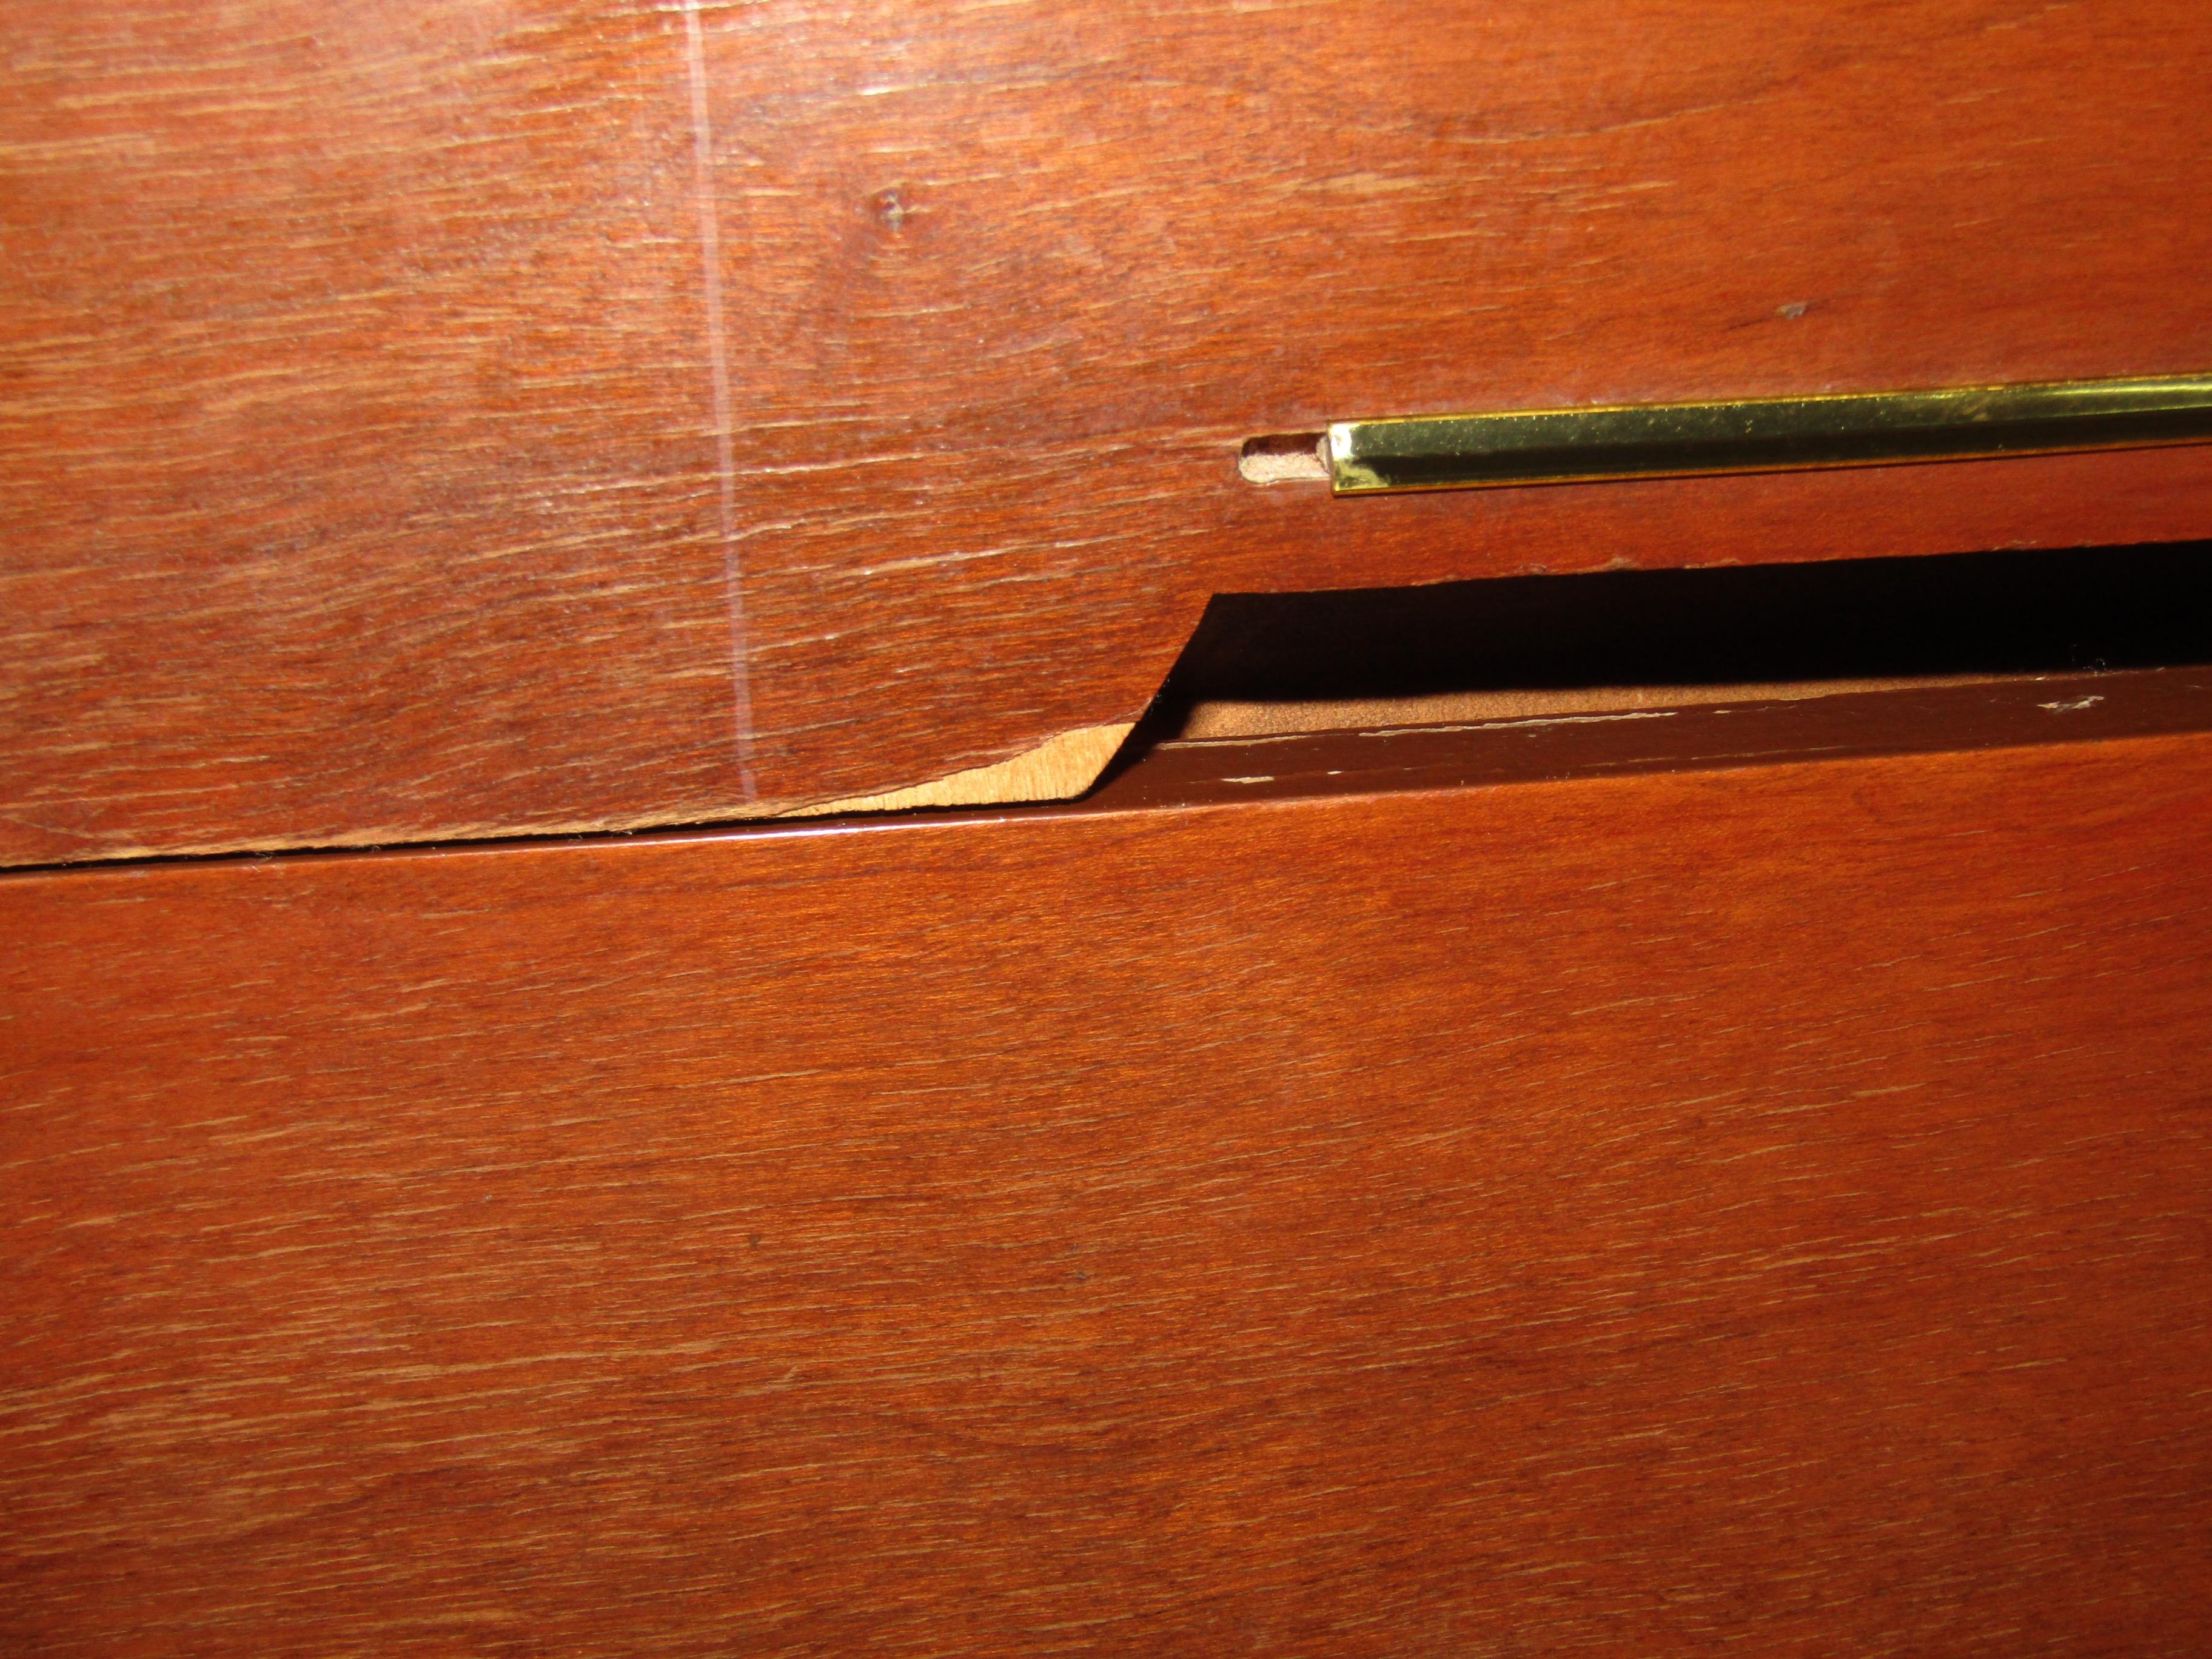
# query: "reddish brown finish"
x,y
362,470
1990,714
1611,1216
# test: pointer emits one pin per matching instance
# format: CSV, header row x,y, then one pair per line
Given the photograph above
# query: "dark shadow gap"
x,y
1647,634
2069,611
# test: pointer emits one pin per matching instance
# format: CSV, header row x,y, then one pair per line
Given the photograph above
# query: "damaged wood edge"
x,y
1228,720
1284,458
1057,769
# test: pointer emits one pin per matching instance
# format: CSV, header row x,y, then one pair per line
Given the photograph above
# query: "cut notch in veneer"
x,y
1537,647
1284,458
1523,652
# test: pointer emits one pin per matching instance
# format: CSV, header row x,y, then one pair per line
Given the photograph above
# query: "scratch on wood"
x,y
710,260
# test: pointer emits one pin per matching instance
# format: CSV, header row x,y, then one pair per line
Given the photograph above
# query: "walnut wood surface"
x,y
1630,1215
431,420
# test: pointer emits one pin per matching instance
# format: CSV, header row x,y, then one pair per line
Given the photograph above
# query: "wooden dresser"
x,y
636,1017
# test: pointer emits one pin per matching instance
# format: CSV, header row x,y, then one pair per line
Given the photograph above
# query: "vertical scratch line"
x,y
725,461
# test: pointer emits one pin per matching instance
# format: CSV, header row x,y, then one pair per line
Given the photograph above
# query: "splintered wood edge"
x,y
1056,770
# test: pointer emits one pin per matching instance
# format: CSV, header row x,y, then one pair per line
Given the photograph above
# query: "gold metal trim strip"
x,y
1764,434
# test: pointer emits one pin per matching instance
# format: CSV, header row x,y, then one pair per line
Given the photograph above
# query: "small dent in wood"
x,y
892,208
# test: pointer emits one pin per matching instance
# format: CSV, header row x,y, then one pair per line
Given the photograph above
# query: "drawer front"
x,y
441,421
1630,1214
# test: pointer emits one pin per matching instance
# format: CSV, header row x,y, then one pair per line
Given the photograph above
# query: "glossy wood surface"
x,y
433,420
1760,1208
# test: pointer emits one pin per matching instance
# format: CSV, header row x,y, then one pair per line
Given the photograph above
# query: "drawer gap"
x,y
1625,641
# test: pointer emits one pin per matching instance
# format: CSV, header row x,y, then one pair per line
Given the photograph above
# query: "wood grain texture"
x,y
426,421
1762,1207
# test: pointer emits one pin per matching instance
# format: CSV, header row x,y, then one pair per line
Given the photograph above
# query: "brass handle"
x,y
1762,434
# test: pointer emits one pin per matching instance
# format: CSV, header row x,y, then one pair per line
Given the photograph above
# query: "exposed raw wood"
x,y
495,415
1058,769
1226,719
1293,458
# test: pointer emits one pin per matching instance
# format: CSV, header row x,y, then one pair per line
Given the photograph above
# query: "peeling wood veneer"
x,y
373,463
1059,770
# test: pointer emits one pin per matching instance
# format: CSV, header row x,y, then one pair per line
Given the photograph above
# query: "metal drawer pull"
x,y
1757,434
